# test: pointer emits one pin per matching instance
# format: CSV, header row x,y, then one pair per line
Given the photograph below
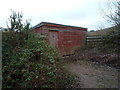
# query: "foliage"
x,y
113,38
29,62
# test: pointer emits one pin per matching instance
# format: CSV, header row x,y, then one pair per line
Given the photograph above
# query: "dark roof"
x,y
38,25
42,23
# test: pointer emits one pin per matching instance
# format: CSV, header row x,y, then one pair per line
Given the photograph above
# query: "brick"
x,y
68,38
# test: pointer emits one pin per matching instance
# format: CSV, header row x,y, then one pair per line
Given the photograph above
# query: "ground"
x,y
92,75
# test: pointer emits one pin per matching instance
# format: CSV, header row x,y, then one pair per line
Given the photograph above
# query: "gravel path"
x,y
93,75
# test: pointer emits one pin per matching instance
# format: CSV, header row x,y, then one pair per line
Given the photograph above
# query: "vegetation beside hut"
x,y
29,62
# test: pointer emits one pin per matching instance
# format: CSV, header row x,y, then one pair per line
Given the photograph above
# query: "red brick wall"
x,y
68,38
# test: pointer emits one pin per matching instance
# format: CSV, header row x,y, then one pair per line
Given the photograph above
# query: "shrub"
x,y
28,61
29,65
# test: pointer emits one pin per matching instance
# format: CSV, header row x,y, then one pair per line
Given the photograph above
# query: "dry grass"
x,y
98,55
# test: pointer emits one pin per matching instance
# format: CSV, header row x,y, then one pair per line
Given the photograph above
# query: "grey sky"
x,y
82,13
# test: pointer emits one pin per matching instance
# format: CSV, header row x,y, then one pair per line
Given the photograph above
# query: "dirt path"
x,y
91,75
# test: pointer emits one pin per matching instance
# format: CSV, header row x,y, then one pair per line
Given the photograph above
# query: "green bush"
x,y
30,63
112,40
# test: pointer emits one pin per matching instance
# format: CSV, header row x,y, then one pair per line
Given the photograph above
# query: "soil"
x,y
92,75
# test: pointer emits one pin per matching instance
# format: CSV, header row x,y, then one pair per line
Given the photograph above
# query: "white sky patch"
x,y
82,13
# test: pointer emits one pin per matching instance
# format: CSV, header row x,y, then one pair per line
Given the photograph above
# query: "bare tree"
x,y
113,38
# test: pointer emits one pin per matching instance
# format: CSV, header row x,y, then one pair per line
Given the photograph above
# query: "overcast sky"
x,y
82,13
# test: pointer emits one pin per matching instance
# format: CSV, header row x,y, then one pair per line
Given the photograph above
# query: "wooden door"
x,y
53,38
